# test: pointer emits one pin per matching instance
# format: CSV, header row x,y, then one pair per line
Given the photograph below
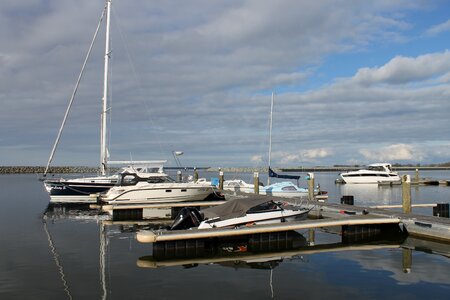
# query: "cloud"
x,y
256,159
197,79
401,70
311,155
437,29
391,153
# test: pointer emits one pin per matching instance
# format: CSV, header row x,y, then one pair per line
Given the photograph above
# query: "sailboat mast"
x,y
103,130
270,137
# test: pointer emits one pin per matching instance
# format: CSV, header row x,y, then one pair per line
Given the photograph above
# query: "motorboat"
x,y
373,173
135,187
238,212
280,189
78,190
238,186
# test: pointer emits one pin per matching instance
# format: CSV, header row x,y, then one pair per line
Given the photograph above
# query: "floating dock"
x,y
162,236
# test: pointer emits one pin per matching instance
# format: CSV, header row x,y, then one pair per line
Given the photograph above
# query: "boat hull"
x,y
76,191
272,217
157,195
375,179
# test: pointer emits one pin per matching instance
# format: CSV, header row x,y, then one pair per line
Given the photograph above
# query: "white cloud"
x,y
437,29
256,159
203,73
402,69
311,155
391,153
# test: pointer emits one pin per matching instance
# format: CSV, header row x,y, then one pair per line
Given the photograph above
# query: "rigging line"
x,y
56,258
74,93
136,78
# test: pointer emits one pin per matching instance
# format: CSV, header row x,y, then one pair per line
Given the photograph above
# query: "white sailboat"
x,y
280,189
78,190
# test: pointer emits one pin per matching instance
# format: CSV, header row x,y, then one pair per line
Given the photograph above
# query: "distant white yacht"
x,y
374,173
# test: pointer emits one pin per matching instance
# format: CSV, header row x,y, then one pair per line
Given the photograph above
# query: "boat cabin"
x,y
380,167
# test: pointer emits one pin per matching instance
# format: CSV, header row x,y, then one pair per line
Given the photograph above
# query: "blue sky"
x,y
356,82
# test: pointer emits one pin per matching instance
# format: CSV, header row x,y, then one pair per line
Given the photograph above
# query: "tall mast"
x,y
270,137
103,130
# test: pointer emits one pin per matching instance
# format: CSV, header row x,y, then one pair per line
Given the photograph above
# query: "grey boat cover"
x,y
233,208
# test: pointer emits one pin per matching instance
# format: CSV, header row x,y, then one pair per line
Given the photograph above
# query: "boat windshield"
x,y
376,168
127,179
160,179
264,207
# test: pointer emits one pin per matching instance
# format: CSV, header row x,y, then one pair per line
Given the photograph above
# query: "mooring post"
x,y
406,194
221,180
416,179
179,176
311,186
195,174
256,182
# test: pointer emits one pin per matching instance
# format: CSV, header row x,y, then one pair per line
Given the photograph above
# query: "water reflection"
x,y
372,194
407,260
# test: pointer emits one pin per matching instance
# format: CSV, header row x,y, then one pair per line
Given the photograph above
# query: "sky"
x,y
355,82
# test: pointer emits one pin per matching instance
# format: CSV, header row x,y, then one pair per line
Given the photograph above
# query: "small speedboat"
x,y
236,213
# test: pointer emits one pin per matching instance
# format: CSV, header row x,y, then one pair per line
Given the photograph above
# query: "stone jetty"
x,y
40,169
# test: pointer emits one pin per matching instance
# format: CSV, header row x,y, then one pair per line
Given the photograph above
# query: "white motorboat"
x,y
238,212
374,173
279,189
135,187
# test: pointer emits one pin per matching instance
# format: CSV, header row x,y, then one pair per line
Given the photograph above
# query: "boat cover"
x,y
233,208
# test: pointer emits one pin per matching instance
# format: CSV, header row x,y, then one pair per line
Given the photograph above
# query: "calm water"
x,y
74,254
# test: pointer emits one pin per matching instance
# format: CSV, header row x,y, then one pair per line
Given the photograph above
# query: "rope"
x,y
73,94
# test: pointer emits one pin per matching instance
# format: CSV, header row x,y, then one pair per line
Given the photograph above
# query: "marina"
x,y
351,200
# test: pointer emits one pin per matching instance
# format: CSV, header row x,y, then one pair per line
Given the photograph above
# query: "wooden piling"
x,y
311,186
417,178
221,179
256,182
195,174
311,237
179,176
406,194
